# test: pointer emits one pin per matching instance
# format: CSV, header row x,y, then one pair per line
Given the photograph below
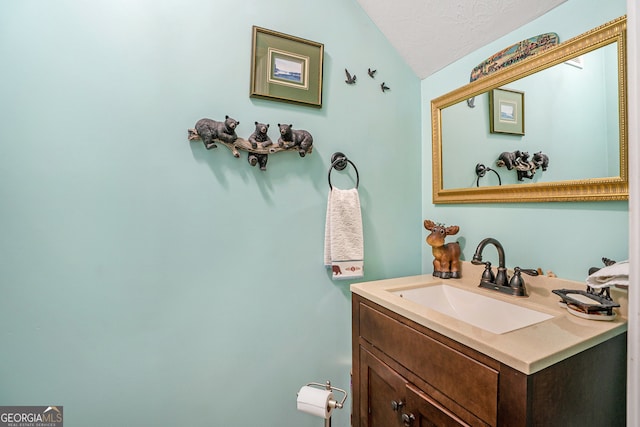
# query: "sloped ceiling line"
x,y
431,34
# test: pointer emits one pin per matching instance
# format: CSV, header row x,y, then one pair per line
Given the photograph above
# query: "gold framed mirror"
x,y
573,131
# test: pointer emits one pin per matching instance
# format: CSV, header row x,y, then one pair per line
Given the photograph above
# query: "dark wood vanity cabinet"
x,y
407,375
393,401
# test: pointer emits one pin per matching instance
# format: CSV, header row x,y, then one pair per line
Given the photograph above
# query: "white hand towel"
x,y
343,239
615,274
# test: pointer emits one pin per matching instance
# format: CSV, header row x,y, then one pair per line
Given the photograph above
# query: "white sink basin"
x,y
487,313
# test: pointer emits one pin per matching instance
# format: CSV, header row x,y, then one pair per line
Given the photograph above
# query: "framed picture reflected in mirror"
x,y
506,111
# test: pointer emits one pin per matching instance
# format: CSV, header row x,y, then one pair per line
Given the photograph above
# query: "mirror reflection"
x,y
568,104
570,114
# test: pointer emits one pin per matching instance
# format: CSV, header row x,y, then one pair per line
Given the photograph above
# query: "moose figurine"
x,y
446,256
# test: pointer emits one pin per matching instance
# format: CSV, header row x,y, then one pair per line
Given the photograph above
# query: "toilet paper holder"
x,y
334,404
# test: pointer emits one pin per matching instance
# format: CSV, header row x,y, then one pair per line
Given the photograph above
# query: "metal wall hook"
x,y
339,162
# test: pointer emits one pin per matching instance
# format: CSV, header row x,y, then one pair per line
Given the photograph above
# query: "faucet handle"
x,y
487,274
529,271
517,282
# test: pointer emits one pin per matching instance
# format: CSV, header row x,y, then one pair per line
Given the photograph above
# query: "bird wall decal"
x,y
350,80
371,72
384,87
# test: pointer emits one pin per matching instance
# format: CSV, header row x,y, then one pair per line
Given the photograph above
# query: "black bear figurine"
x,y
210,130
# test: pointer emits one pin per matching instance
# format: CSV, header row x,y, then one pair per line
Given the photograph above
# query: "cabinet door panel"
x,y
426,412
463,379
381,404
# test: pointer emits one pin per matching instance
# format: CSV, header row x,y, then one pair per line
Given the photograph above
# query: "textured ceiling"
x,y
431,34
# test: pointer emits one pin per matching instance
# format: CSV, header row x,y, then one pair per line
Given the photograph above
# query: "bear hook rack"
x,y
339,162
258,146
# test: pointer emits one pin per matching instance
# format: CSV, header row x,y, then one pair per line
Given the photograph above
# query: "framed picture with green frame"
x,y
286,68
506,111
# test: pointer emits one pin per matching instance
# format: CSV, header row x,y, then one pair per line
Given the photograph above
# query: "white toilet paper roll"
x,y
315,401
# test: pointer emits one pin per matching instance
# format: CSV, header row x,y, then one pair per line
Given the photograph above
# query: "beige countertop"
x,y
529,349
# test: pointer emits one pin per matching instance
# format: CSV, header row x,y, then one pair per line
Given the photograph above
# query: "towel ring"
x,y
481,171
339,161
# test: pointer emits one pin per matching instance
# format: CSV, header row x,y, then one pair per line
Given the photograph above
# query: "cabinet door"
x,y
422,411
382,398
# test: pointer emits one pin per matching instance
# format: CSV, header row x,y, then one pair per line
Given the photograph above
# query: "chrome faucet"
x,y
500,282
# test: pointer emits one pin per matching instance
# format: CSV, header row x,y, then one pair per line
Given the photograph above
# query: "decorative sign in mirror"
x,y
574,96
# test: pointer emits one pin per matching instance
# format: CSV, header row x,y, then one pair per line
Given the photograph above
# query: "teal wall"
x,y
146,281
566,238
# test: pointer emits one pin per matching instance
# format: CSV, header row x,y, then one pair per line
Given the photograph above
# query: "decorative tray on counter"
x,y
587,304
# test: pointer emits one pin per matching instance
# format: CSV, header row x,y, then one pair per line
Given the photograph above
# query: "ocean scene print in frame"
x,y
506,111
286,68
